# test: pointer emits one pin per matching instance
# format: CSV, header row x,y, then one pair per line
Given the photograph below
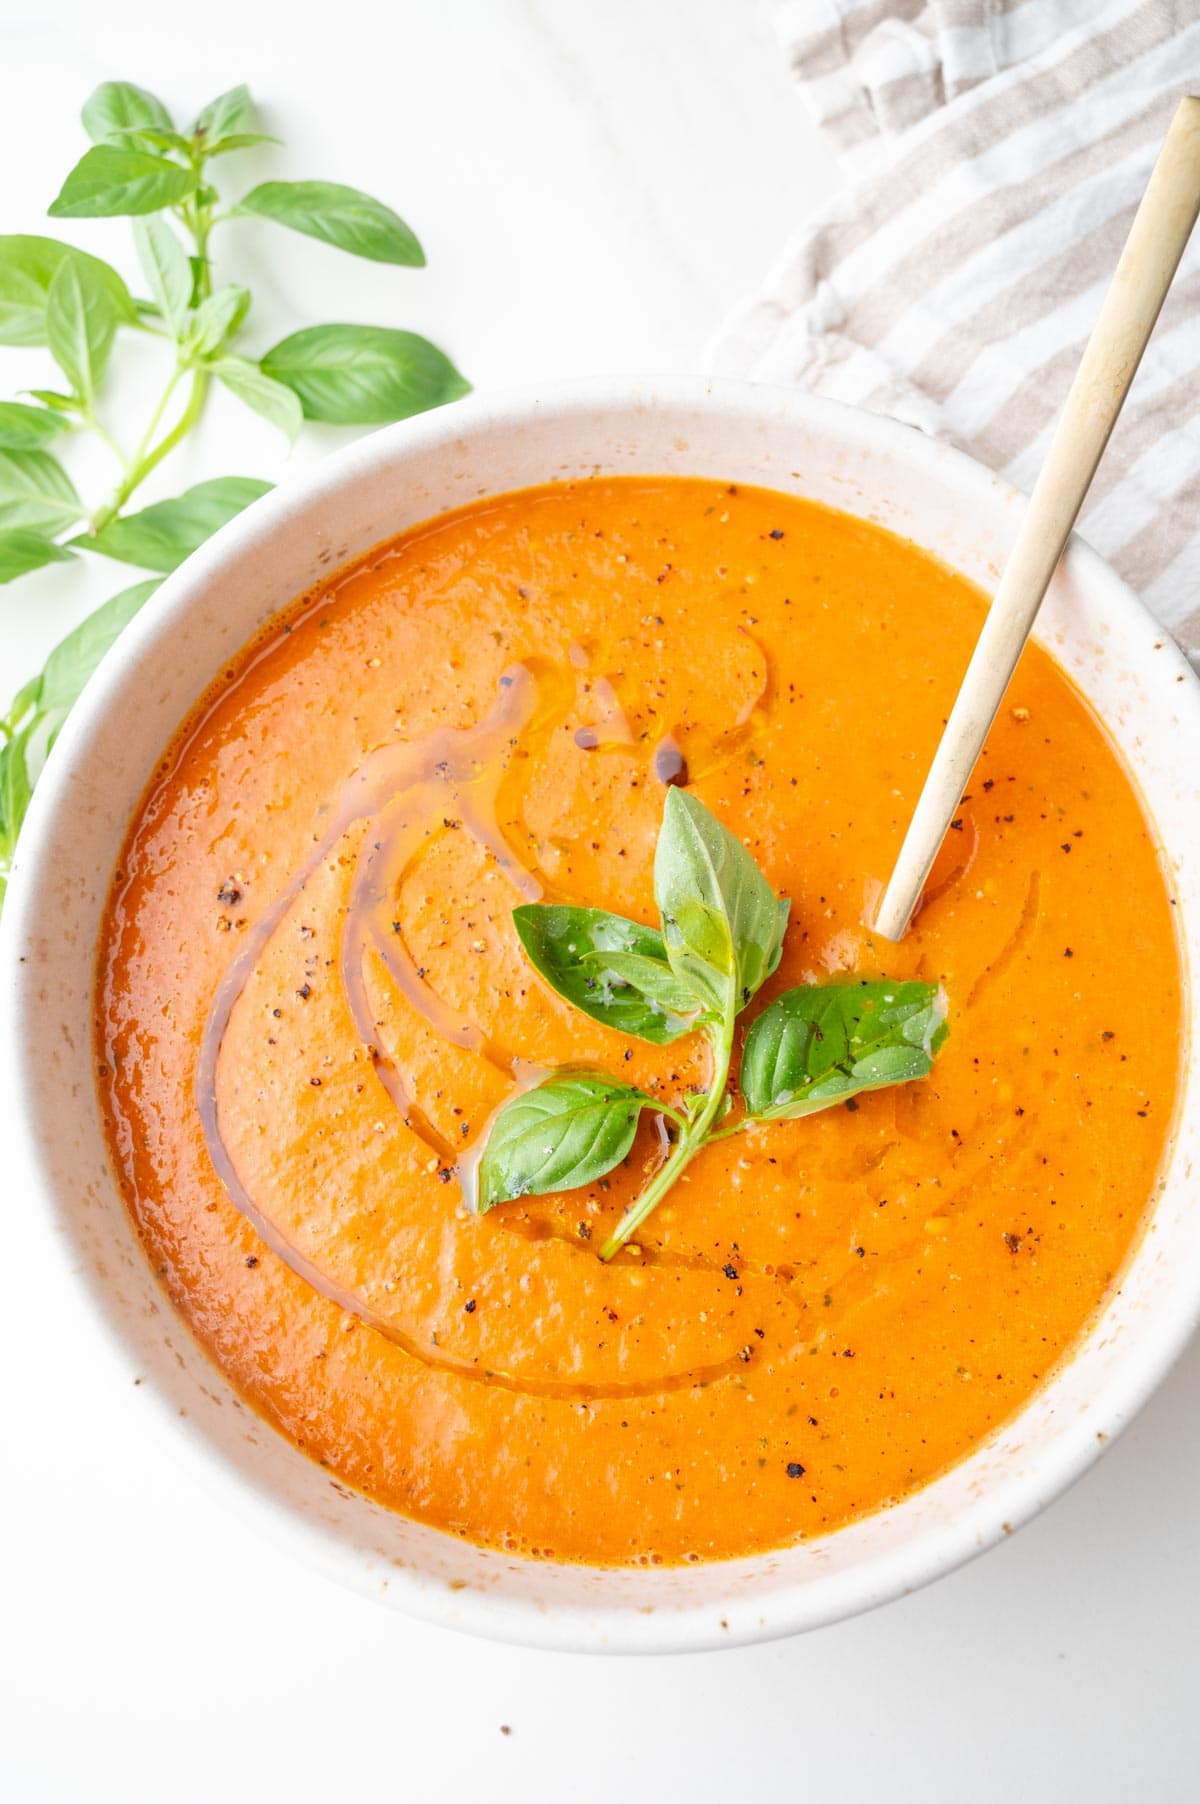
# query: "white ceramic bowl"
x,y
202,615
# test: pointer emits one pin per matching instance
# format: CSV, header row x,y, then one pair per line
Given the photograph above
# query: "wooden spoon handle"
x,y
1156,242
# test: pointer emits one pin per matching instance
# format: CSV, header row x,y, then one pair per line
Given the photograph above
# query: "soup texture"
x,y
311,1000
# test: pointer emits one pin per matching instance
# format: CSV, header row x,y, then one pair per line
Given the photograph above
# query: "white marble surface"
x,y
595,184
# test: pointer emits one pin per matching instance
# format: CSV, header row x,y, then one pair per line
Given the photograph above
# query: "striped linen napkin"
x,y
996,151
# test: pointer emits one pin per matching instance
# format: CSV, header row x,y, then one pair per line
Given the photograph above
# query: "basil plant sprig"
x,y
165,178
721,938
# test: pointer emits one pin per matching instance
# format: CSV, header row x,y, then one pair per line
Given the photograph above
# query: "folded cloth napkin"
x,y
996,151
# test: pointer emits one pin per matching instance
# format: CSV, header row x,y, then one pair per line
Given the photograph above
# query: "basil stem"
x,y
692,1138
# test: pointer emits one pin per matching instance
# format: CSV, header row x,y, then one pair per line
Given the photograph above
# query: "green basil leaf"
x,y
74,658
16,786
363,375
81,323
65,405
112,180
150,138
344,217
229,112
275,402
162,535
22,551
216,320
654,977
120,106
28,265
36,492
167,269
28,428
239,141
567,1132
821,1043
615,970
26,698
722,923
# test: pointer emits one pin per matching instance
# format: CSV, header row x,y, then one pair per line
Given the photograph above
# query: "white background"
x,y
596,182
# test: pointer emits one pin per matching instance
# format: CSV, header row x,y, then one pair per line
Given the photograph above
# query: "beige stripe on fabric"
x,y
1035,295
1158,544
988,219
834,46
812,58
953,286
999,111
809,266
850,130
964,15
1034,404
1188,631
965,38
907,99
1145,422
812,66
988,116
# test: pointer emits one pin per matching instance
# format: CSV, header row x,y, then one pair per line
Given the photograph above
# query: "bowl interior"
x,y
864,465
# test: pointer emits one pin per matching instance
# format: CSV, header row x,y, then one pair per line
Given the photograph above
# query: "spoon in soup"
x,y
1157,237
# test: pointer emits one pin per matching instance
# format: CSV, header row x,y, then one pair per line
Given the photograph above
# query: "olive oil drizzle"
x,y
407,790
407,795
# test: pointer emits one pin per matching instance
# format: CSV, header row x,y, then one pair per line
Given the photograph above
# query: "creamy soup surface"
x,y
311,999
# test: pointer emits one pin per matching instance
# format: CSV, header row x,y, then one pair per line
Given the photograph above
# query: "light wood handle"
x,y
1156,242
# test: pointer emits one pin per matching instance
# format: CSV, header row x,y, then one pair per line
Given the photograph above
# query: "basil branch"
x,y
142,167
721,939
147,457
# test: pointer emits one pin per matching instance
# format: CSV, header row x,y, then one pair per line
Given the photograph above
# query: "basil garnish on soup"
x,y
721,938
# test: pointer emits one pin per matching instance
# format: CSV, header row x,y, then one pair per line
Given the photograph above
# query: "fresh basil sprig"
x,y
144,167
721,939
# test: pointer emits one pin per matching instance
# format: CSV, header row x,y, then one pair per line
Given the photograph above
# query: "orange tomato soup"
x,y
311,998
